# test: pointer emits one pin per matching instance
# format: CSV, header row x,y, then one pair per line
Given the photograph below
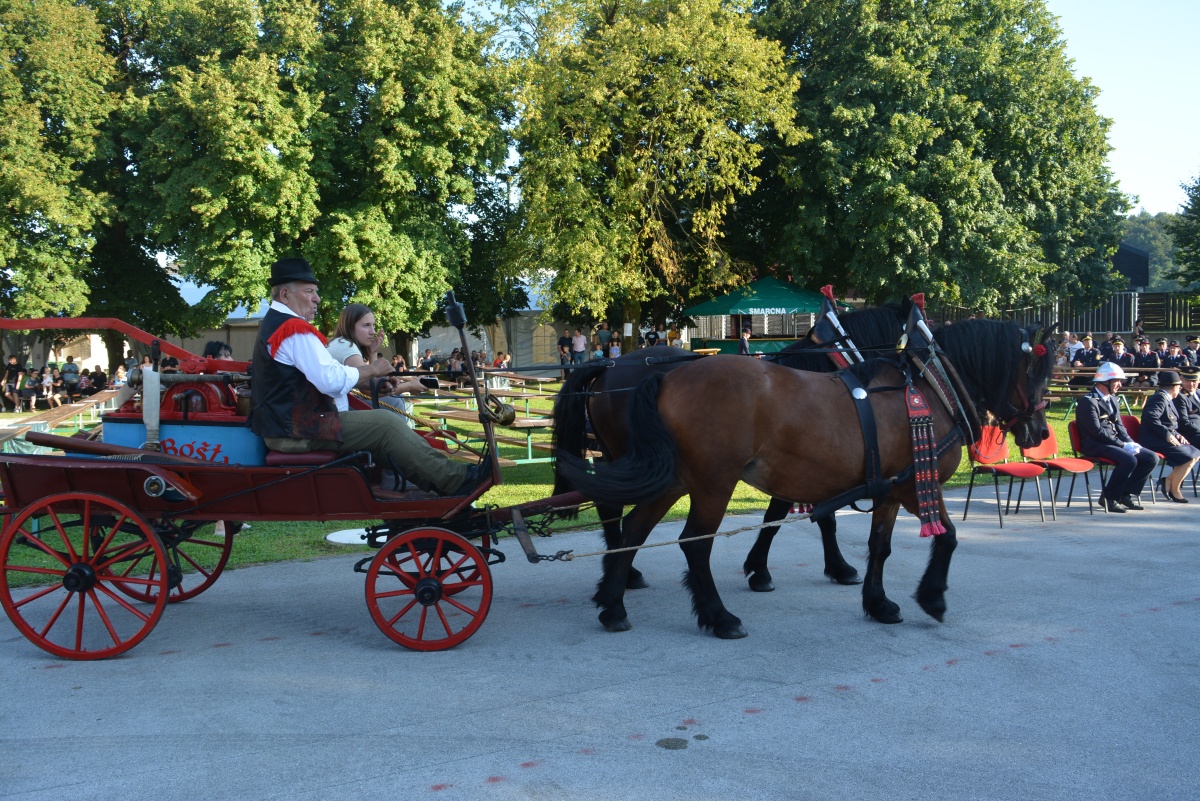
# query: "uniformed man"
x,y
1161,348
1085,357
1188,405
1103,435
1147,360
1106,346
1119,355
1192,350
1175,359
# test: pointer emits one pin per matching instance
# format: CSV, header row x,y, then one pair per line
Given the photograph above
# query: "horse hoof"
x,y
636,581
844,577
887,612
760,583
734,632
935,608
614,622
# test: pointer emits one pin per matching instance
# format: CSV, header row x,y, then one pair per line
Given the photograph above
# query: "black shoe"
x,y
476,475
1133,503
1112,505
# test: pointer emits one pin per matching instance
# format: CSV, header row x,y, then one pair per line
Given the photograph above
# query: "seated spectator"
x,y
1175,359
1118,355
51,395
1148,363
217,349
1086,357
99,380
502,361
70,377
120,378
85,383
398,364
1160,432
1103,435
169,364
1187,403
428,362
147,363
30,388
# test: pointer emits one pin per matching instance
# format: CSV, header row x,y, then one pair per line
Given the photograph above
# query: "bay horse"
x,y
797,436
601,393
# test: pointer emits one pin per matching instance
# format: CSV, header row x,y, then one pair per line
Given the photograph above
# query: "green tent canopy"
x,y
764,296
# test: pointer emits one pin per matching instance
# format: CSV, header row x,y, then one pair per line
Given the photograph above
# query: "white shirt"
x,y
306,353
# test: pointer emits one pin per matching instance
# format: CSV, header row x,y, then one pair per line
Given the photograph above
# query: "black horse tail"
x,y
646,470
570,435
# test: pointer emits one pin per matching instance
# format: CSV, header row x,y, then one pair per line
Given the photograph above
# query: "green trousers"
x,y
386,436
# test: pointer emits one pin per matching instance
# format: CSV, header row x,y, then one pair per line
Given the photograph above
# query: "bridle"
x,y
1028,408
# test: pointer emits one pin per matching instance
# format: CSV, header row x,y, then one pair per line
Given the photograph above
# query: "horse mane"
x,y
984,350
874,331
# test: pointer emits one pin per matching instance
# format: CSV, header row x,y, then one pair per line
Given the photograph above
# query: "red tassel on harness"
x,y
293,325
925,476
919,300
827,291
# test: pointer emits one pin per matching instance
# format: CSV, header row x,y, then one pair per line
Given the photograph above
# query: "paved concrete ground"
x,y
1066,669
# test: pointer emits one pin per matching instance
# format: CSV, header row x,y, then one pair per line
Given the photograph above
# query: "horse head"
x,y
1006,369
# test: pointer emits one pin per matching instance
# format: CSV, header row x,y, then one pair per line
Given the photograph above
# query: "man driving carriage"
x,y
295,381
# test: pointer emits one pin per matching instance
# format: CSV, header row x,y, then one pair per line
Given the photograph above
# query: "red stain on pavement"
x,y
168,652
689,722
438,787
316,634
53,667
991,653
753,710
951,661
1076,631
1154,609
530,764
221,644
800,699
876,681
587,750
494,779
1050,639
843,688
1017,645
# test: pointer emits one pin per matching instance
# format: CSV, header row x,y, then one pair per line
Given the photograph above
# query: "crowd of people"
x,y
54,384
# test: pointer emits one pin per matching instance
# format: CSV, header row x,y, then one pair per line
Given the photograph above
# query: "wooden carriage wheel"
x,y
201,559
429,589
59,565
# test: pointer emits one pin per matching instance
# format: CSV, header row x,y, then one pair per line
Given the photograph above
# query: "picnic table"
x,y
523,426
89,405
1061,388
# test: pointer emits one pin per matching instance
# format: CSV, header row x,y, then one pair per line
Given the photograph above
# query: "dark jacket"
x,y
1188,408
285,403
1159,419
1100,425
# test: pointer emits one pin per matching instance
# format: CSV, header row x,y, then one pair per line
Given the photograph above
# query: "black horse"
x,y
600,395
795,435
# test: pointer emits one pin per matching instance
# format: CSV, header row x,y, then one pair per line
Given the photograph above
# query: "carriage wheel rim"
x,y
428,589
65,599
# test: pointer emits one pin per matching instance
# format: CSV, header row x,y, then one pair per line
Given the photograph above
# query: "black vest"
x,y
285,403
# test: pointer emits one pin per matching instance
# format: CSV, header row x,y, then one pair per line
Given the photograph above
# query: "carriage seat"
x,y
308,459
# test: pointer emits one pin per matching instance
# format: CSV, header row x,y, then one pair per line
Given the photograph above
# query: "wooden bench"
x,y
527,425
53,417
1061,388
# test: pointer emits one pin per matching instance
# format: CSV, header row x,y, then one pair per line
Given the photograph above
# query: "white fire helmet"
x,y
1108,371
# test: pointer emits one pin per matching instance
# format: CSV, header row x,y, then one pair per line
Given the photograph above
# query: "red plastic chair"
x,y
990,455
1046,456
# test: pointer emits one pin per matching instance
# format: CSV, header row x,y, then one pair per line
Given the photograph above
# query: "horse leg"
x,y
711,614
755,566
879,548
931,592
837,568
611,515
610,591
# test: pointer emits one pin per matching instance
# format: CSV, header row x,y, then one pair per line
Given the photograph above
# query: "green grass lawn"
x,y
273,542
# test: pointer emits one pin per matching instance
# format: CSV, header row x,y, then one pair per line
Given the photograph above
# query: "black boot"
x,y
1112,505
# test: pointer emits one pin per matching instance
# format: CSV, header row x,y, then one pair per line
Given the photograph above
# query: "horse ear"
x,y
1053,329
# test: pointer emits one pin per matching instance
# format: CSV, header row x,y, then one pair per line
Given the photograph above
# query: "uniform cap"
x,y
1191,373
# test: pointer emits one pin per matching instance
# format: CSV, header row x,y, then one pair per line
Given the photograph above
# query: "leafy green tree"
x,y
952,152
1149,232
639,127
53,74
1185,231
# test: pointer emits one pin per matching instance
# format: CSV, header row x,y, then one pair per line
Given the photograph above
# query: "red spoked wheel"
x,y
193,564
429,589
58,564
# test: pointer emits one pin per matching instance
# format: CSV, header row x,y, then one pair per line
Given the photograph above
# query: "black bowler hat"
x,y
293,269
1168,378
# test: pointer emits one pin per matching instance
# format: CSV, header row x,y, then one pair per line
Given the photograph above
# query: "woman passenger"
x,y
1160,432
353,343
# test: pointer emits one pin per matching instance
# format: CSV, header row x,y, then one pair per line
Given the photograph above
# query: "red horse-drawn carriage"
x,y
97,542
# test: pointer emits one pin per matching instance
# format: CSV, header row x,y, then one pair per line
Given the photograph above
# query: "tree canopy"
x,y
1185,230
952,152
1150,232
